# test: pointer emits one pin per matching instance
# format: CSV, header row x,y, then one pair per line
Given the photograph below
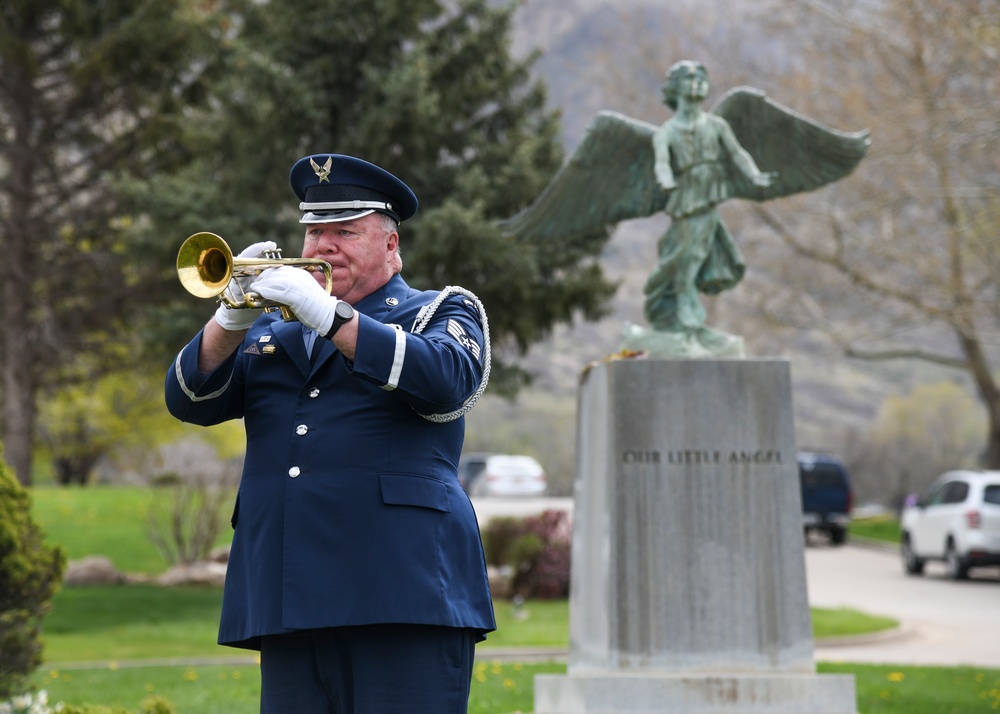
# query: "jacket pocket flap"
x,y
412,490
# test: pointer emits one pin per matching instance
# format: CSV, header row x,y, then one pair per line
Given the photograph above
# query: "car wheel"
x,y
913,564
955,565
838,536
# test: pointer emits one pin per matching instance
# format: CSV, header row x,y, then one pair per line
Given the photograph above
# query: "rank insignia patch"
x,y
456,330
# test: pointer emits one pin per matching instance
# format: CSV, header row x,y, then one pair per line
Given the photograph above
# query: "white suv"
x,y
957,520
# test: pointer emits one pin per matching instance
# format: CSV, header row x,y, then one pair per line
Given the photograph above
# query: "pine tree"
x,y
91,97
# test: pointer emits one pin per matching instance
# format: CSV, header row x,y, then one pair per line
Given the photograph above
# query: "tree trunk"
x,y
19,369
989,394
74,470
19,414
19,380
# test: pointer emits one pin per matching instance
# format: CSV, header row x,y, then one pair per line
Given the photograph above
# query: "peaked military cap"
x,y
334,187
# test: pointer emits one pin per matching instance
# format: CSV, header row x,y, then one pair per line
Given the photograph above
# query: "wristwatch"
x,y
342,313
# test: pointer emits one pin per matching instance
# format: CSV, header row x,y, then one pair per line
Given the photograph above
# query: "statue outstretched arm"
x,y
661,158
804,153
609,178
742,158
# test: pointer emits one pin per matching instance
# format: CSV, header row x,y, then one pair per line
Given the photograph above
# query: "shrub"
x,y
30,575
546,575
185,517
536,548
498,537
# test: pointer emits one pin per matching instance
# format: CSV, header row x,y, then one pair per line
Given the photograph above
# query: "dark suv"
x,y
826,496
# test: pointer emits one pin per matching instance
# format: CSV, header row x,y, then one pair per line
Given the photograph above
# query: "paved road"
x,y
943,622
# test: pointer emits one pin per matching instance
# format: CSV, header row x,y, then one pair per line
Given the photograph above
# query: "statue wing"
x,y
609,178
805,153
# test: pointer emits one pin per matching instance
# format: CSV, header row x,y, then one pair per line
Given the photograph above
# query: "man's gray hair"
x,y
388,223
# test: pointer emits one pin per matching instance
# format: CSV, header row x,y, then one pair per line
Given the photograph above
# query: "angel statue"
x,y
748,146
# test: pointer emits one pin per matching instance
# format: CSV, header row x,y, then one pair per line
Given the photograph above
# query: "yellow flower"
x,y
896,676
190,675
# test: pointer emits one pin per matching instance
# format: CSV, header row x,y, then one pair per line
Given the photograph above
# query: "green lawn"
x,y
880,528
133,622
504,687
102,520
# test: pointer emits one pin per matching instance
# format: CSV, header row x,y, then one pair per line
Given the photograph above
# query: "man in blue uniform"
x,y
356,567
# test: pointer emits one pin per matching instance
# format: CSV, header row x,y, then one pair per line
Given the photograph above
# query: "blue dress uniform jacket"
x,y
349,510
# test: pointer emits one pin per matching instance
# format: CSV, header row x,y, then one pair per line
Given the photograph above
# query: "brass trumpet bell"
x,y
205,265
206,268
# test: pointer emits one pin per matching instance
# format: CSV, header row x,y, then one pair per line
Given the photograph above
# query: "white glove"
x,y
243,318
238,287
299,290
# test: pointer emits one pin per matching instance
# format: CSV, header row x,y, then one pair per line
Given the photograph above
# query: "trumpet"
x,y
206,268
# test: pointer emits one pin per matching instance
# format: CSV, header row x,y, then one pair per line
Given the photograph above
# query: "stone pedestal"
x,y
688,587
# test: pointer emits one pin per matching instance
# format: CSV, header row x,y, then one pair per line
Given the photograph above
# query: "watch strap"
x,y
338,320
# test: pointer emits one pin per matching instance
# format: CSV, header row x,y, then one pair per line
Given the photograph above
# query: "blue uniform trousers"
x,y
368,669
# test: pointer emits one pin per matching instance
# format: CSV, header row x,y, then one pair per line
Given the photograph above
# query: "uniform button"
x,y
314,392
301,429
294,471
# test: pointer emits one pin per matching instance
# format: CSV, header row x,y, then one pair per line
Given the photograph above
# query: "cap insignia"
x,y
323,172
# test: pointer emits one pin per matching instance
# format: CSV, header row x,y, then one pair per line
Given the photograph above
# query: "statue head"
x,y
676,75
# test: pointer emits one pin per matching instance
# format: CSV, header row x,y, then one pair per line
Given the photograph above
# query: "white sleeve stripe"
x,y
397,360
190,392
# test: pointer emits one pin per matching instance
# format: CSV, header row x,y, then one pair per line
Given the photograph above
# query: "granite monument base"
x,y
657,693
688,588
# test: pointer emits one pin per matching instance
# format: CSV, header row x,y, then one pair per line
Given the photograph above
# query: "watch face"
x,y
344,311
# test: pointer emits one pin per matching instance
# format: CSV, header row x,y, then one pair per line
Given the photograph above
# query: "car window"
x,y
956,492
821,476
469,468
936,495
992,494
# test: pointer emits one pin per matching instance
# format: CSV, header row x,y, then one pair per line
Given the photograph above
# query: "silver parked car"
x,y
501,475
957,520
